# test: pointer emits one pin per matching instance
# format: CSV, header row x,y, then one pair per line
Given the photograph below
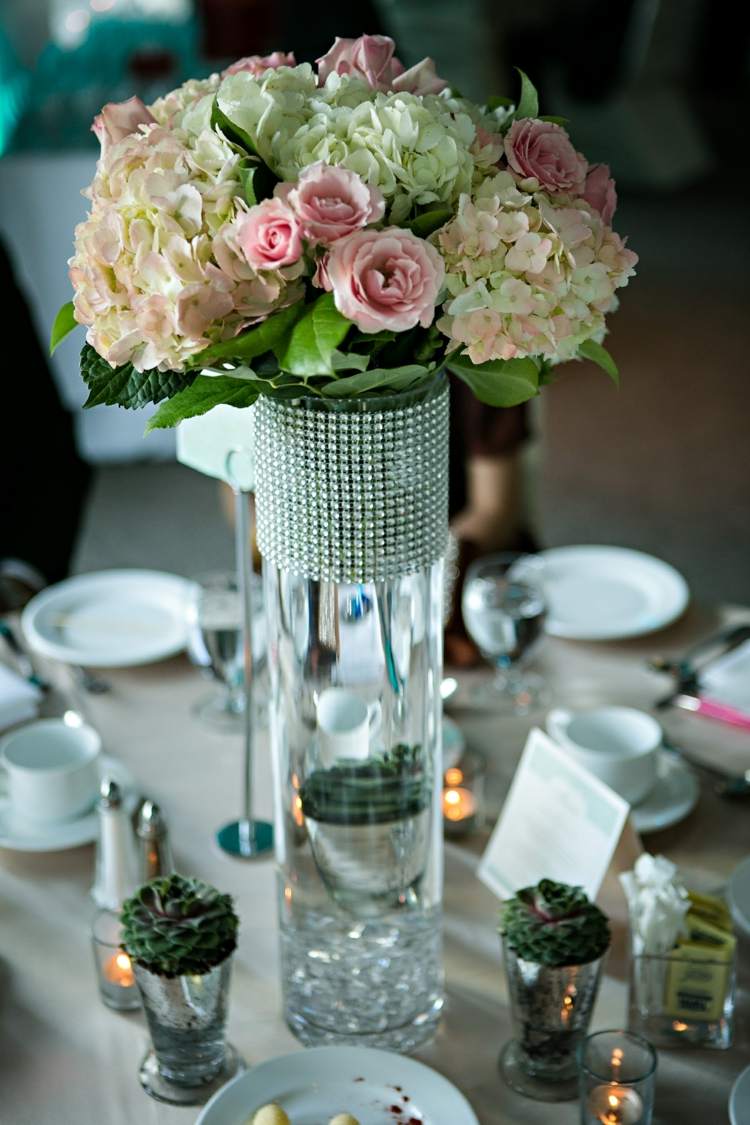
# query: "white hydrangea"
x,y
415,149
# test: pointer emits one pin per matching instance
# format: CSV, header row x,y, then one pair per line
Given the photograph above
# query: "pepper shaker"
x,y
154,852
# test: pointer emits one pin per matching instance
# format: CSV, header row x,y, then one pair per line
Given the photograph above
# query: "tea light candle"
x,y
118,970
615,1105
462,787
114,969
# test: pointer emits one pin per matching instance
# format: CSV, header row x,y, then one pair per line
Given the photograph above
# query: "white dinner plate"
x,y
22,835
110,619
314,1085
609,593
738,895
739,1099
672,798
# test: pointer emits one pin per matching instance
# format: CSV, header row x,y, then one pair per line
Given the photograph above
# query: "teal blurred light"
x,y
14,85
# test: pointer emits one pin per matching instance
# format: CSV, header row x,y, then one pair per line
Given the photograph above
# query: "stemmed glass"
x,y
503,608
216,645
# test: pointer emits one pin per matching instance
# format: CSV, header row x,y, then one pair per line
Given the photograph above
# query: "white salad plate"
x,y
739,1099
738,896
313,1086
110,619
22,835
674,795
609,593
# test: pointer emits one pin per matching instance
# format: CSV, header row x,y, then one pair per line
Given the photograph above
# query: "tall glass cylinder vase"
x,y
352,525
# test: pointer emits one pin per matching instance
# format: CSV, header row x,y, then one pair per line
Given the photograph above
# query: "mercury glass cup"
x,y
504,608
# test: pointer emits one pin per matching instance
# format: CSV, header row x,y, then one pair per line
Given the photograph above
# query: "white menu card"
x,y
558,822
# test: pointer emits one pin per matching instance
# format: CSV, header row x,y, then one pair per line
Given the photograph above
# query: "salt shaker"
x,y
154,852
116,858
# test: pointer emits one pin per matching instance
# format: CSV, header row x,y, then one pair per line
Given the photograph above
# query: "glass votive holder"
x,y
114,971
617,1075
463,795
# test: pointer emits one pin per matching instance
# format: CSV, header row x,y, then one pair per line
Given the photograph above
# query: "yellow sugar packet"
x,y
712,909
699,971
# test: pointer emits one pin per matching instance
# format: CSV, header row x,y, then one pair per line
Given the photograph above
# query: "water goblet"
x,y
216,645
504,608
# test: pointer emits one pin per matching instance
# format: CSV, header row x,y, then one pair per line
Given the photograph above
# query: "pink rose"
x,y
385,279
543,150
420,79
118,120
370,57
270,235
331,202
258,64
599,191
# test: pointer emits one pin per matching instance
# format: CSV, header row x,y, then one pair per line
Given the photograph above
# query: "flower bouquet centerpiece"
x,y
324,242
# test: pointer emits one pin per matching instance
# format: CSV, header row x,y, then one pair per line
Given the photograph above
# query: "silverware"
x,y
96,685
727,784
684,668
23,661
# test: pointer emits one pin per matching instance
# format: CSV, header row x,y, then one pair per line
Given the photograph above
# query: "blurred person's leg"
x,y
42,478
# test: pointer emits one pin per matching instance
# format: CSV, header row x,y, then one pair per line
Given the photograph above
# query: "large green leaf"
x,y
349,361
201,396
124,386
601,357
313,339
501,382
257,179
528,103
430,221
266,337
233,133
65,322
395,378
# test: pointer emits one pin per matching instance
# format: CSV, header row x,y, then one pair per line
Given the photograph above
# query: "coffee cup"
x,y
618,745
52,769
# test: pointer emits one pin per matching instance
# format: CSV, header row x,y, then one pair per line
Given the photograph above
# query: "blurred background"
x,y
656,88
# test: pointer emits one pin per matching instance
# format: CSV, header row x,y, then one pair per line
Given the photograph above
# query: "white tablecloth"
x,y
65,1059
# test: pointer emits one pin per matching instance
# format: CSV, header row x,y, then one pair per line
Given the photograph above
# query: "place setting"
x,y
391,741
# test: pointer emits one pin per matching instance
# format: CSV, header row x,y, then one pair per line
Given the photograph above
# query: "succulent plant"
x,y
388,787
177,926
554,924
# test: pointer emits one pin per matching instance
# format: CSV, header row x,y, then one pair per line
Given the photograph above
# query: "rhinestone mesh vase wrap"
x,y
352,510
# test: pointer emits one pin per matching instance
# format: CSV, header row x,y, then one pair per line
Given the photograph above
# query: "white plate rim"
x,y
360,1056
60,837
742,1079
644,822
68,654
674,609
741,916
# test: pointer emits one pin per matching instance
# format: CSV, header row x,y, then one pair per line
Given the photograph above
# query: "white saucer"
x,y
608,593
315,1084
738,895
22,835
674,796
739,1099
110,619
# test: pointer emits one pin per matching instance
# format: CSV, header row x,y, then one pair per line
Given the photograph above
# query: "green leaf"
x,y
266,337
498,103
528,103
65,322
124,386
315,336
201,396
430,221
589,349
349,361
500,382
396,378
258,181
233,133
555,120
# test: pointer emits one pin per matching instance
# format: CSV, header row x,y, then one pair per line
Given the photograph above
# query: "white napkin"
x,y
728,679
19,700
657,901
